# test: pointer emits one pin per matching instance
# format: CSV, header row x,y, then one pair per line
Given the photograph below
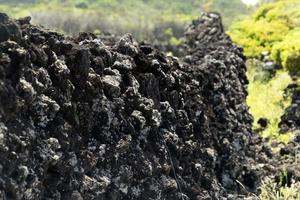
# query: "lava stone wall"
x,y
83,120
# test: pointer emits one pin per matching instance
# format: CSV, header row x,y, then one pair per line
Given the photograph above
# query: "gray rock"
x,y
112,85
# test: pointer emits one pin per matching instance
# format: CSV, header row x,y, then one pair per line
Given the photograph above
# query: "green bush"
x,y
258,36
287,52
274,28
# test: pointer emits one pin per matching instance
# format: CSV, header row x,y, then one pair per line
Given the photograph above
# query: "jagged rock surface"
x,y
290,121
85,119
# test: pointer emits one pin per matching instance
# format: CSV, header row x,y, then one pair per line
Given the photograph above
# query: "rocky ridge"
x,y
83,118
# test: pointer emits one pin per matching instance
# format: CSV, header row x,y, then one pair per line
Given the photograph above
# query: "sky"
x,y
250,2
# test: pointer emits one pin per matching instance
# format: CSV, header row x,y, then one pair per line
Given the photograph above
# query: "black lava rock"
x,y
85,118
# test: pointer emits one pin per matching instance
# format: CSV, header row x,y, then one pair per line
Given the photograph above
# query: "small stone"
x,y
138,119
146,106
123,67
125,45
23,172
3,17
54,143
169,184
3,129
263,122
210,153
76,196
27,91
113,72
45,109
156,118
112,86
90,183
24,20
4,34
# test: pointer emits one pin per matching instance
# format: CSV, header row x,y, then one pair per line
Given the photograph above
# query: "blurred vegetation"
x,y
267,99
287,52
275,27
161,20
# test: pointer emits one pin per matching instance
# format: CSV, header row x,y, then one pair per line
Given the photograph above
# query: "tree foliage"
x,y
274,28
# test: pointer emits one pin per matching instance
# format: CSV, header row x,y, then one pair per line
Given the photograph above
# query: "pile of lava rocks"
x,y
84,118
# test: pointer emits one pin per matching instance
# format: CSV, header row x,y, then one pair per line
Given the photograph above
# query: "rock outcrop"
x,y
81,118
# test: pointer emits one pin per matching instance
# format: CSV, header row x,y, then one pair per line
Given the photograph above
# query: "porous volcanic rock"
x,y
290,121
82,118
290,124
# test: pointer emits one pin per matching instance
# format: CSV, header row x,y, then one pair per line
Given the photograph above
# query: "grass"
x,y
267,99
270,191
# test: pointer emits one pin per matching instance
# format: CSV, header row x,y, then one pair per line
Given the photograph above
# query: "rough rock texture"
x,y
83,120
290,121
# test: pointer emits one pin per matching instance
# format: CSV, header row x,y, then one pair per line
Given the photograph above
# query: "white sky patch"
x,y
250,2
